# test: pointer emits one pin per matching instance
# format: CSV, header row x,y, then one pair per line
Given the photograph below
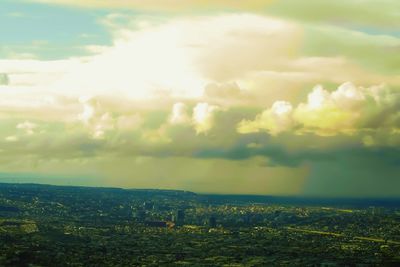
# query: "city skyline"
x,y
274,97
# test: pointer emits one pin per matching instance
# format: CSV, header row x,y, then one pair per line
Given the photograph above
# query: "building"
x,y
212,222
180,218
140,215
148,205
162,224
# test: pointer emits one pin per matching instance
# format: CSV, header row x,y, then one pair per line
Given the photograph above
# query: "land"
x,y
43,225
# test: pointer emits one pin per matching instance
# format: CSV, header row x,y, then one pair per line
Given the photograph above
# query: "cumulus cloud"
x,y
122,131
203,117
179,114
88,109
286,133
346,110
103,124
102,118
274,120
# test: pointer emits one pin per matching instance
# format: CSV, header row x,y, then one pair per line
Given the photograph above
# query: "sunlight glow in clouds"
x,y
213,99
178,58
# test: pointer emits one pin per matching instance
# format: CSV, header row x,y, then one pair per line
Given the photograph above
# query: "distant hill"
x,y
31,188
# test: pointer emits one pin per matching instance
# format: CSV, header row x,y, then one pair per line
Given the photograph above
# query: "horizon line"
x,y
216,194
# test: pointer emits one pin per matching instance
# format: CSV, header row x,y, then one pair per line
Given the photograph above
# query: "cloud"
x,y
218,101
4,80
179,57
225,90
88,109
103,124
373,51
203,117
202,175
224,58
27,126
346,110
34,74
274,120
11,138
100,118
247,43
369,13
355,172
129,122
159,5
352,12
285,134
120,135
179,114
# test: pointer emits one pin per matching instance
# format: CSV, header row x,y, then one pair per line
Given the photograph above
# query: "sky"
x,y
276,97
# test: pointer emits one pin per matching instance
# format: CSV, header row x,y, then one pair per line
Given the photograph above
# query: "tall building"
x,y
180,218
140,215
162,224
212,222
148,205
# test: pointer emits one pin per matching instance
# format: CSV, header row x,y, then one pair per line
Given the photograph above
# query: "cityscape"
x,y
42,225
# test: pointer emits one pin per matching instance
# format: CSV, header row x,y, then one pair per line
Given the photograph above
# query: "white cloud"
x,y
88,109
36,73
203,117
180,56
274,120
11,138
346,110
27,126
104,124
179,114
